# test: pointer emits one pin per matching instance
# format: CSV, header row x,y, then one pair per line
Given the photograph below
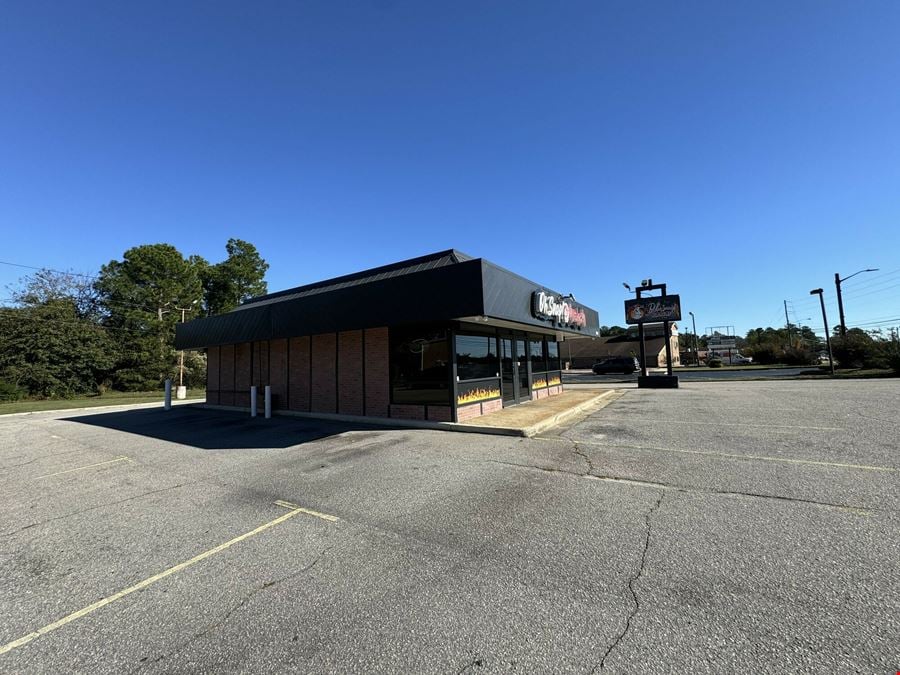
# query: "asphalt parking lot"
x,y
717,527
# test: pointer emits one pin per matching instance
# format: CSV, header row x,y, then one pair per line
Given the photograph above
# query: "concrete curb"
x,y
135,406
396,423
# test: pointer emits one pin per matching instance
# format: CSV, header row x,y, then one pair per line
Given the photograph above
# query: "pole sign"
x,y
721,342
652,310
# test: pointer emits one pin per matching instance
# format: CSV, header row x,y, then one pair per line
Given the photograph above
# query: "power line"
x,y
74,322
48,269
871,291
862,282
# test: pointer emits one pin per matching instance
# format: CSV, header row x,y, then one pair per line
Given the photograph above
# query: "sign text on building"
x,y
551,307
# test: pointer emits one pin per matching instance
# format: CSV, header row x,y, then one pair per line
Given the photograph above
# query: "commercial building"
x,y
585,353
443,337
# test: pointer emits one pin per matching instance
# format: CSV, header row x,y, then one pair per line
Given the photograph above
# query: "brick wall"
x,y
260,372
226,377
439,413
491,406
242,374
299,394
212,375
467,412
408,412
350,372
278,373
324,373
378,385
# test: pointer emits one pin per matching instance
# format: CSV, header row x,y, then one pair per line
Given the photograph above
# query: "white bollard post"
x,y
253,401
168,400
268,402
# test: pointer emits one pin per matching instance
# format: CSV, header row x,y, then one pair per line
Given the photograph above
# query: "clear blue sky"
x,y
742,154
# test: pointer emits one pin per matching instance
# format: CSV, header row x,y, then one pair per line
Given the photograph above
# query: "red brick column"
x,y
278,373
300,373
377,369
226,381
242,374
350,372
324,373
212,375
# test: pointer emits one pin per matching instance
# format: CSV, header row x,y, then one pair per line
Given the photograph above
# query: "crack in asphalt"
x,y
93,508
678,488
473,663
578,451
233,610
631,582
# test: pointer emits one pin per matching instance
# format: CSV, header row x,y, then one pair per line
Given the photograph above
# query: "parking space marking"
x,y
123,458
295,510
725,455
309,512
644,420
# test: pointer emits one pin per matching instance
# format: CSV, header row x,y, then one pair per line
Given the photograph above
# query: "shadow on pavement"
x,y
218,429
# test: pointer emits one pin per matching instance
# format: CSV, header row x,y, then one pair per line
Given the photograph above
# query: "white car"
x,y
740,359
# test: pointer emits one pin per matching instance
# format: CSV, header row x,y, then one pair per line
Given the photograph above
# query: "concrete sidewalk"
x,y
533,417
526,419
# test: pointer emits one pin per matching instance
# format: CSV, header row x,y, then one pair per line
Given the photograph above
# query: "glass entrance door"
x,y
507,372
524,391
514,386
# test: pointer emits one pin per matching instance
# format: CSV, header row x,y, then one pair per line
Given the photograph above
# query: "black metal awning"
x,y
443,286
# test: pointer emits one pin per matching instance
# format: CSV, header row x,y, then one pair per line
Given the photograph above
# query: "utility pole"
x,y
837,285
818,291
181,392
788,322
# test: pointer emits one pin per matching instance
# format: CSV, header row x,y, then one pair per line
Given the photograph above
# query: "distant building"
x,y
585,353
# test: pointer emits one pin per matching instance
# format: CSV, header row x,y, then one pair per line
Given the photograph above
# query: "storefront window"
x,y
420,366
538,359
476,357
553,355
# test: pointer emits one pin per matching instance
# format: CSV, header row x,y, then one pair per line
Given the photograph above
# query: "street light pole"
x,y
837,285
818,291
696,342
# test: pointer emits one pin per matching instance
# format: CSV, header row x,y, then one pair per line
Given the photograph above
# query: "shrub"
x,y
714,363
858,350
9,391
894,361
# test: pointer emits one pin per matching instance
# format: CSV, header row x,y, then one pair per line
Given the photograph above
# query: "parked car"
x,y
733,359
618,364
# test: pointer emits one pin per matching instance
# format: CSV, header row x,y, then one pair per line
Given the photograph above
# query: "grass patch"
x,y
847,373
754,366
93,401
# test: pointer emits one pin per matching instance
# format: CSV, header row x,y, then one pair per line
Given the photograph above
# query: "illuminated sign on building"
x,y
556,308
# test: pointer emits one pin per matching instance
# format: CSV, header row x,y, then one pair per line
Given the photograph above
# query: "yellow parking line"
x,y
309,512
157,577
123,458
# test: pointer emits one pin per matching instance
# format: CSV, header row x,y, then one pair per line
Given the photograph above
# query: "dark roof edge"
x,y
455,255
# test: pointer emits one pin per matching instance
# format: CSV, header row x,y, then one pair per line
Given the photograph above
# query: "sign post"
x,y
663,308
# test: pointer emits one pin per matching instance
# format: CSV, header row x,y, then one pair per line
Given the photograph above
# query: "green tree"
x,y
141,296
236,279
610,331
860,349
50,342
